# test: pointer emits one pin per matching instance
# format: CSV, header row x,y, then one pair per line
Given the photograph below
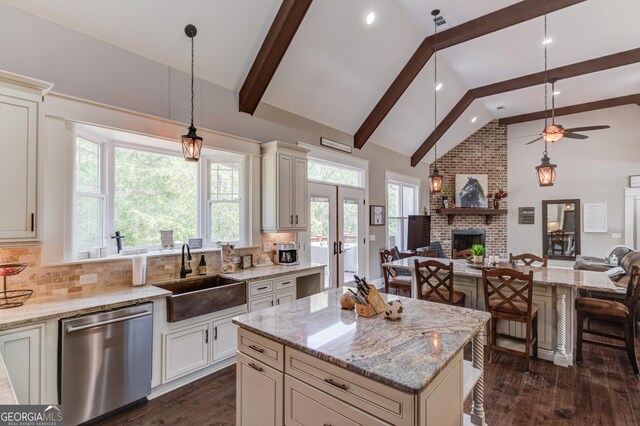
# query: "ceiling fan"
x,y
554,132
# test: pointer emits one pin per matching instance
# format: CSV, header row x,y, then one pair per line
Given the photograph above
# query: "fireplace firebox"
x,y
462,239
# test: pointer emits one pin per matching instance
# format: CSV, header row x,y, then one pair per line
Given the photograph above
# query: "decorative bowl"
x,y
9,269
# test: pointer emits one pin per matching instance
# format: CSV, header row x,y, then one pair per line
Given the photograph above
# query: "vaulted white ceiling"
x,y
337,67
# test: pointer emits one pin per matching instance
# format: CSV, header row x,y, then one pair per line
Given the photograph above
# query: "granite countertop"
x,y
406,354
7,395
271,271
562,277
69,305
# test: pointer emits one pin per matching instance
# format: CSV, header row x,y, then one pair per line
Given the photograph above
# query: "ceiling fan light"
x,y
435,181
552,133
546,171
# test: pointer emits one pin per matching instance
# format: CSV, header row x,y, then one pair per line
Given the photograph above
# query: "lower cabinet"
x,y
259,393
186,350
261,303
285,297
22,351
196,346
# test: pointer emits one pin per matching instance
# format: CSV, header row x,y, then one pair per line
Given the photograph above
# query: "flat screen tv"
x,y
418,232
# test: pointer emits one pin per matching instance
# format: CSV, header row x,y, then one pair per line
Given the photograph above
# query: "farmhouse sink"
x,y
198,296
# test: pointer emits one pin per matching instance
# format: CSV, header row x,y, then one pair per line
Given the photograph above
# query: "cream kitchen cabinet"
x,y
259,396
285,200
185,350
225,338
21,123
22,351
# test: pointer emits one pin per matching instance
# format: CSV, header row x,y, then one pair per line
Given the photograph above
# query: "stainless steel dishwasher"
x,y
104,361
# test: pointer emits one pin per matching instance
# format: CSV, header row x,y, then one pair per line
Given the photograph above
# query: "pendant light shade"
x,y
436,180
546,171
191,142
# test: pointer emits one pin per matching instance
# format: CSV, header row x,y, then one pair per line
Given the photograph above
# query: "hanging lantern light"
x,y
191,142
435,179
546,171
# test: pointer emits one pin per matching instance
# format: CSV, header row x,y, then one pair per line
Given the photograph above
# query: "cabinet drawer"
x,y
389,404
260,287
285,283
261,303
305,405
264,350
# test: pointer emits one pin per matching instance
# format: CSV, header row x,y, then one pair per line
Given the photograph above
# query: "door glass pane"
x,y
319,231
350,239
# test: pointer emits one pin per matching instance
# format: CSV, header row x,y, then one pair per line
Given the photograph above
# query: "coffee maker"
x,y
287,253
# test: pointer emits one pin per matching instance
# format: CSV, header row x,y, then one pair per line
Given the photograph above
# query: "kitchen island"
x,y
554,291
310,362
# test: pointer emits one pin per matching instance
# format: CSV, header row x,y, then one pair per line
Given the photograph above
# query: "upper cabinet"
x,y
21,121
285,200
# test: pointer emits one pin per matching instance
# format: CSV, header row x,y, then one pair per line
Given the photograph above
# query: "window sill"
x,y
155,253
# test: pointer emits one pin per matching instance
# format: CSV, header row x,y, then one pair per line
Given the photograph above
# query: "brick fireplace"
x,y
484,152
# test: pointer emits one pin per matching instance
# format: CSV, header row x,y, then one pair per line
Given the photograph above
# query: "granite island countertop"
x,y
562,277
45,308
406,354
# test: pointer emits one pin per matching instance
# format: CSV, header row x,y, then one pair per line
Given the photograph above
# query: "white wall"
x,y
87,68
594,170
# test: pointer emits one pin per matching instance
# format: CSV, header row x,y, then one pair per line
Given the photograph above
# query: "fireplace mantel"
x,y
487,213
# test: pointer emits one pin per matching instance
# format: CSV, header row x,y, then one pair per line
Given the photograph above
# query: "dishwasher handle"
x,y
111,321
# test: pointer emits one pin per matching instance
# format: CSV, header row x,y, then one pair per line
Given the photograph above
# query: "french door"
x,y
337,231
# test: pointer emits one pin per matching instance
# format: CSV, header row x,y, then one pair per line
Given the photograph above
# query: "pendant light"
x,y
191,142
435,179
546,171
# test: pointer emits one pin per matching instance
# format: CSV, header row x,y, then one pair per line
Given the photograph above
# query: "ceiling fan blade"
x,y
575,136
587,128
535,140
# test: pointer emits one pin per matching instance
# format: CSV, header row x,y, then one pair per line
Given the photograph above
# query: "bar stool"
x,y
391,278
529,259
462,254
508,296
438,288
612,312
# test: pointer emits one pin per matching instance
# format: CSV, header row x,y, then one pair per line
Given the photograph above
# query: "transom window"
x,y
139,189
337,174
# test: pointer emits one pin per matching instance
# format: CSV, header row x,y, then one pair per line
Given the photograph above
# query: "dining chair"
x,y
391,279
435,283
611,311
463,254
529,259
508,296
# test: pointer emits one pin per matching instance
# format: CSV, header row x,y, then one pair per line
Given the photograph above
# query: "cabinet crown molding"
x,y
17,81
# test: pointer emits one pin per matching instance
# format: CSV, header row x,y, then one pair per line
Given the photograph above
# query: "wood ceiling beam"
x,y
495,21
275,44
573,109
586,67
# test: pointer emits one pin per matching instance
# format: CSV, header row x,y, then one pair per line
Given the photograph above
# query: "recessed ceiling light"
x,y
474,119
370,18
556,93
547,40
438,86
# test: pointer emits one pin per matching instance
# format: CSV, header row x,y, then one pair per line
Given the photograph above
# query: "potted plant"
x,y
478,253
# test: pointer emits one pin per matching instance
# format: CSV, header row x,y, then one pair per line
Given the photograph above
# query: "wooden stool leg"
x,y
630,342
579,336
535,335
527,346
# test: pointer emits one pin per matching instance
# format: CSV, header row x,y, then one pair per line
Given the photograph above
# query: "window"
x,y
143,187
224,202
90,198
153,191
402,201
325,171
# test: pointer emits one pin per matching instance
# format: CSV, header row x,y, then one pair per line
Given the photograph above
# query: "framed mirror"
x,y
561,229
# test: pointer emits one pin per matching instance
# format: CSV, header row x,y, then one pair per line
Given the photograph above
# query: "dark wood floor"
x,y
604,391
